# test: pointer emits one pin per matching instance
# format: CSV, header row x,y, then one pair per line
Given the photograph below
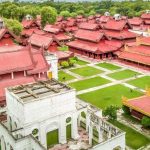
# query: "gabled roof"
x,y
119,25
104,18
147,22
93,36
28,23
3,31
51,29
145,16
135,21
97,48
41,64
62,37
121,35
144,40
40,40
13,61
140,104
88,26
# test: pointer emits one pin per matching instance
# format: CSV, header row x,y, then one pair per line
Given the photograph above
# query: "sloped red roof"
x,y
51,29
13,61
40,40
41,64
4,31
135,21
147,22
11,48
104,18
140,104
119,25
145,16
12,82
124,34
28,23
62,37
135,57
93,36
145,40
88,26
100,47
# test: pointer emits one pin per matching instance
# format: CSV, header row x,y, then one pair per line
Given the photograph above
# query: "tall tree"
x,y
48,15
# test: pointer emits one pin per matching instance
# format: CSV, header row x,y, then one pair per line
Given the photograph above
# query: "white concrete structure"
x,y
53,62
38,108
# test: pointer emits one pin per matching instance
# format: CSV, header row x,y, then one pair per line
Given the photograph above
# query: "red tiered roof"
x,y
140,104
62,37
97,48
29,23
93,36
14,61
136,21
118,25
88,26
121,35
40,40
145,16
51,29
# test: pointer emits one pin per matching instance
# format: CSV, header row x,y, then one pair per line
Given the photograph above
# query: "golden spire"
x,y
124,99
147,89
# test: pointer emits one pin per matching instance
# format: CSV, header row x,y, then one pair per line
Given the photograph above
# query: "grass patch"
x,y
86,71
62,75
109,96
142,82
89,83
81,62
108,66
123,74
134,139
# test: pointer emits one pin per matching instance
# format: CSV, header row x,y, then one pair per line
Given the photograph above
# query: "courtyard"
x,y
104,84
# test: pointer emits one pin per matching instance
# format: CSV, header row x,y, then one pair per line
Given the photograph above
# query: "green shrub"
x,y
126,110
65,64
145,121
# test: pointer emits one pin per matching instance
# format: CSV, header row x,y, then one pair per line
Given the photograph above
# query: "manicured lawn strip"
x,y
108,66
141,82
123,74
134,139
62,74
109,96
81,62
89,83
86,71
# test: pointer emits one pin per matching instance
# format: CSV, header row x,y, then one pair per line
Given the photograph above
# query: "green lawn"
x,y
108,66
62,74
134,139
86,71
141,82
123,74
89,83
108,96
81,62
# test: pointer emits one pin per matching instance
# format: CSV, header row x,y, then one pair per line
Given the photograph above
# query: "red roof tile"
x,y
40,40
104,18
135,21
113,24
147,22
93,36
124,34
41,64
135,57
13,61
145,16
140,104
62,37
88,26
29,23
51,29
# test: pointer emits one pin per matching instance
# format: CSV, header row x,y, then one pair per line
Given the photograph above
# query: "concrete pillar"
x,y
3,144
74,129
87,122
90,135
43,136
100,135
62,131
